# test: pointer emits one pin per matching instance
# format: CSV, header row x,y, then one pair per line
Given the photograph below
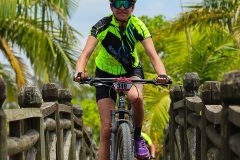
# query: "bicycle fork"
x,y
114,128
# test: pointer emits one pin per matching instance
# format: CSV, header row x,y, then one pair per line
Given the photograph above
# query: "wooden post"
x,y
191,83
3,127
176,94
78,112
230,95
30,97
210,96
65,97
50,94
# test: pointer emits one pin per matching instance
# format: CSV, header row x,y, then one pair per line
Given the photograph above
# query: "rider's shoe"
x,y
141,150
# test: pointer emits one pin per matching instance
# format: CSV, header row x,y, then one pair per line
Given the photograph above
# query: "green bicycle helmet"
x,y
133,1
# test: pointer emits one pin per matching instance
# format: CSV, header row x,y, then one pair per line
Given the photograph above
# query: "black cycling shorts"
x,y
104,91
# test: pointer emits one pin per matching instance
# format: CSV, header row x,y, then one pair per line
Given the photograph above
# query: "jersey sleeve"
x,y
142,30
100,27
146,138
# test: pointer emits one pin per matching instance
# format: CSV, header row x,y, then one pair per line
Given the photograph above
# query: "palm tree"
x,y
213,28
38,31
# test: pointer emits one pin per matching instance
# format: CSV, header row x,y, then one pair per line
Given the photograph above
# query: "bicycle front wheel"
x,y
124,145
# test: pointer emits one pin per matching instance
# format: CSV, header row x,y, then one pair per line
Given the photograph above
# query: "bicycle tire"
x,y
124,146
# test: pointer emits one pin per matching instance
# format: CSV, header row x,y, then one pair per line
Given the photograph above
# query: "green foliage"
x,y
154,25
156,104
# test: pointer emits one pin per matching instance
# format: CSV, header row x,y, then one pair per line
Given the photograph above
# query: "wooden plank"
x,y
3,135
194,103
179,120
65,108
234,115
27,141
234,144
48,108
194,119
78,121
213,113
23,113
213,135
179,104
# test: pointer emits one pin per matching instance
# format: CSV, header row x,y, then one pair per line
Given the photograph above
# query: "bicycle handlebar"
x,y
93,81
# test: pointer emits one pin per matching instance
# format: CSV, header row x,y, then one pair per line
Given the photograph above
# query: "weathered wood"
x,y
16,145
49,120
48,108
23,113
78,148
176,94
3,127
87,137
59,136
234,115
210,95
67,143
234,144
30,97
77,110
2,91
194,119
78,121
213,135
213,113
31,154
50,92
225,133
79,134
230,88
194,103
211,92
52,146
64,97
179,120
49,124
65,124
179,104
65,108
191,83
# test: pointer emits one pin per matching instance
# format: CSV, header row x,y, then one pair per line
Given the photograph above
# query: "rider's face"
x,y
122,13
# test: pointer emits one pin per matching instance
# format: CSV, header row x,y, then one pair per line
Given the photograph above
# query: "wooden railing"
x,y
44,127
204,125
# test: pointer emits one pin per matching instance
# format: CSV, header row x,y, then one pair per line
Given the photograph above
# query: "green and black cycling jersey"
x,y
118,53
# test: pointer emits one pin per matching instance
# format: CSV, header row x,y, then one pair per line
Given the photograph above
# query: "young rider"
x,y
117,35
150,145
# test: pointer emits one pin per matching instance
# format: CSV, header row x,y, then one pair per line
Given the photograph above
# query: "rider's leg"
x,y
136,99
104,106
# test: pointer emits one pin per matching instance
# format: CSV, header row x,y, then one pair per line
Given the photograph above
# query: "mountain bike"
x,y
122,122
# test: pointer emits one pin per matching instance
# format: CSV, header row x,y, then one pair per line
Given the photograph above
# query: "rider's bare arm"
x,y
84,57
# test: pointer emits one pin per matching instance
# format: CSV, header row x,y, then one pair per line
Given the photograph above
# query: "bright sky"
x,y
90,11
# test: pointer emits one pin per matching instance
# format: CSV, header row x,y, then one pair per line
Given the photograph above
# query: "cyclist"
x,y
117,35
150,145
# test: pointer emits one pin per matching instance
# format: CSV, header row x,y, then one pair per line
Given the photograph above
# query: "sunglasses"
x,y
126,4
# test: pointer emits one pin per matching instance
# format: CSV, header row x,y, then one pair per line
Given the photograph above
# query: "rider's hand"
x,y
80,76
163,78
